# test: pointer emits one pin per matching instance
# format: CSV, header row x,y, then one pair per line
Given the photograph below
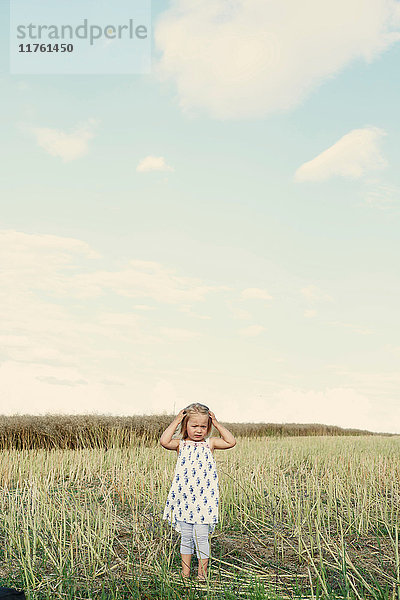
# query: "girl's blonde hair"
x,y
195,409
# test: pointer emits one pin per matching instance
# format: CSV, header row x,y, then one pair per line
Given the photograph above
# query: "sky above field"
x,y
223,229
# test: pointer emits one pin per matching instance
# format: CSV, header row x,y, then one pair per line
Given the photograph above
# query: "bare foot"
x,y
185,575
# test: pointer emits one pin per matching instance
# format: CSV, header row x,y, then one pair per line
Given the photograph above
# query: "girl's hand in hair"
x,y
213,417
181,415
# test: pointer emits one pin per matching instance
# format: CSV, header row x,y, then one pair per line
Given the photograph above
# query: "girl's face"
x,y
197,427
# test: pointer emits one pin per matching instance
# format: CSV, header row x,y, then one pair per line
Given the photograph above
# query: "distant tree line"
x,y
105,431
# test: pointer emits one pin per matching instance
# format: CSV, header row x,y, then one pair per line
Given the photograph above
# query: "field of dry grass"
x,y
306,516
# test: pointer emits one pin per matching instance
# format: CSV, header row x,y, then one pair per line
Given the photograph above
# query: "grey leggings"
x,y
195,534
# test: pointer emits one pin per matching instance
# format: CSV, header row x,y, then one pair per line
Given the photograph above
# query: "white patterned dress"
x,y
194,493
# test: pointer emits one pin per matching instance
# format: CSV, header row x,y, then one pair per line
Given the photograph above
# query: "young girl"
x,y
192,503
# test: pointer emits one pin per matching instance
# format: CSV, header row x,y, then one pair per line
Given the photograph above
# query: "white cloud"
x,y
24,250
252,330
142,279
237,312
313,294
47,287
153,163
257,293
248,58
188,310
353,155
56,333
57,381
240,314
35,261
54,265
143,307
67,146
355,328
179,335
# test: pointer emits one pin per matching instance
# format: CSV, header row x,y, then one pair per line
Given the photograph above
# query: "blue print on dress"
x,y
193,496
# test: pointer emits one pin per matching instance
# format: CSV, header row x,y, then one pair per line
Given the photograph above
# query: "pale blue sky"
x,y
266,295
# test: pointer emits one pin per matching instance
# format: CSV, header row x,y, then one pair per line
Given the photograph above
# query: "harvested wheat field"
x,y
300,517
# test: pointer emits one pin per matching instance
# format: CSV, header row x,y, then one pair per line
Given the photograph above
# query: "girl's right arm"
x,y
166,439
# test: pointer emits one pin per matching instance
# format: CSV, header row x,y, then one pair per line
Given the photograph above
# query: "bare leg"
x,y
186,558
203,563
